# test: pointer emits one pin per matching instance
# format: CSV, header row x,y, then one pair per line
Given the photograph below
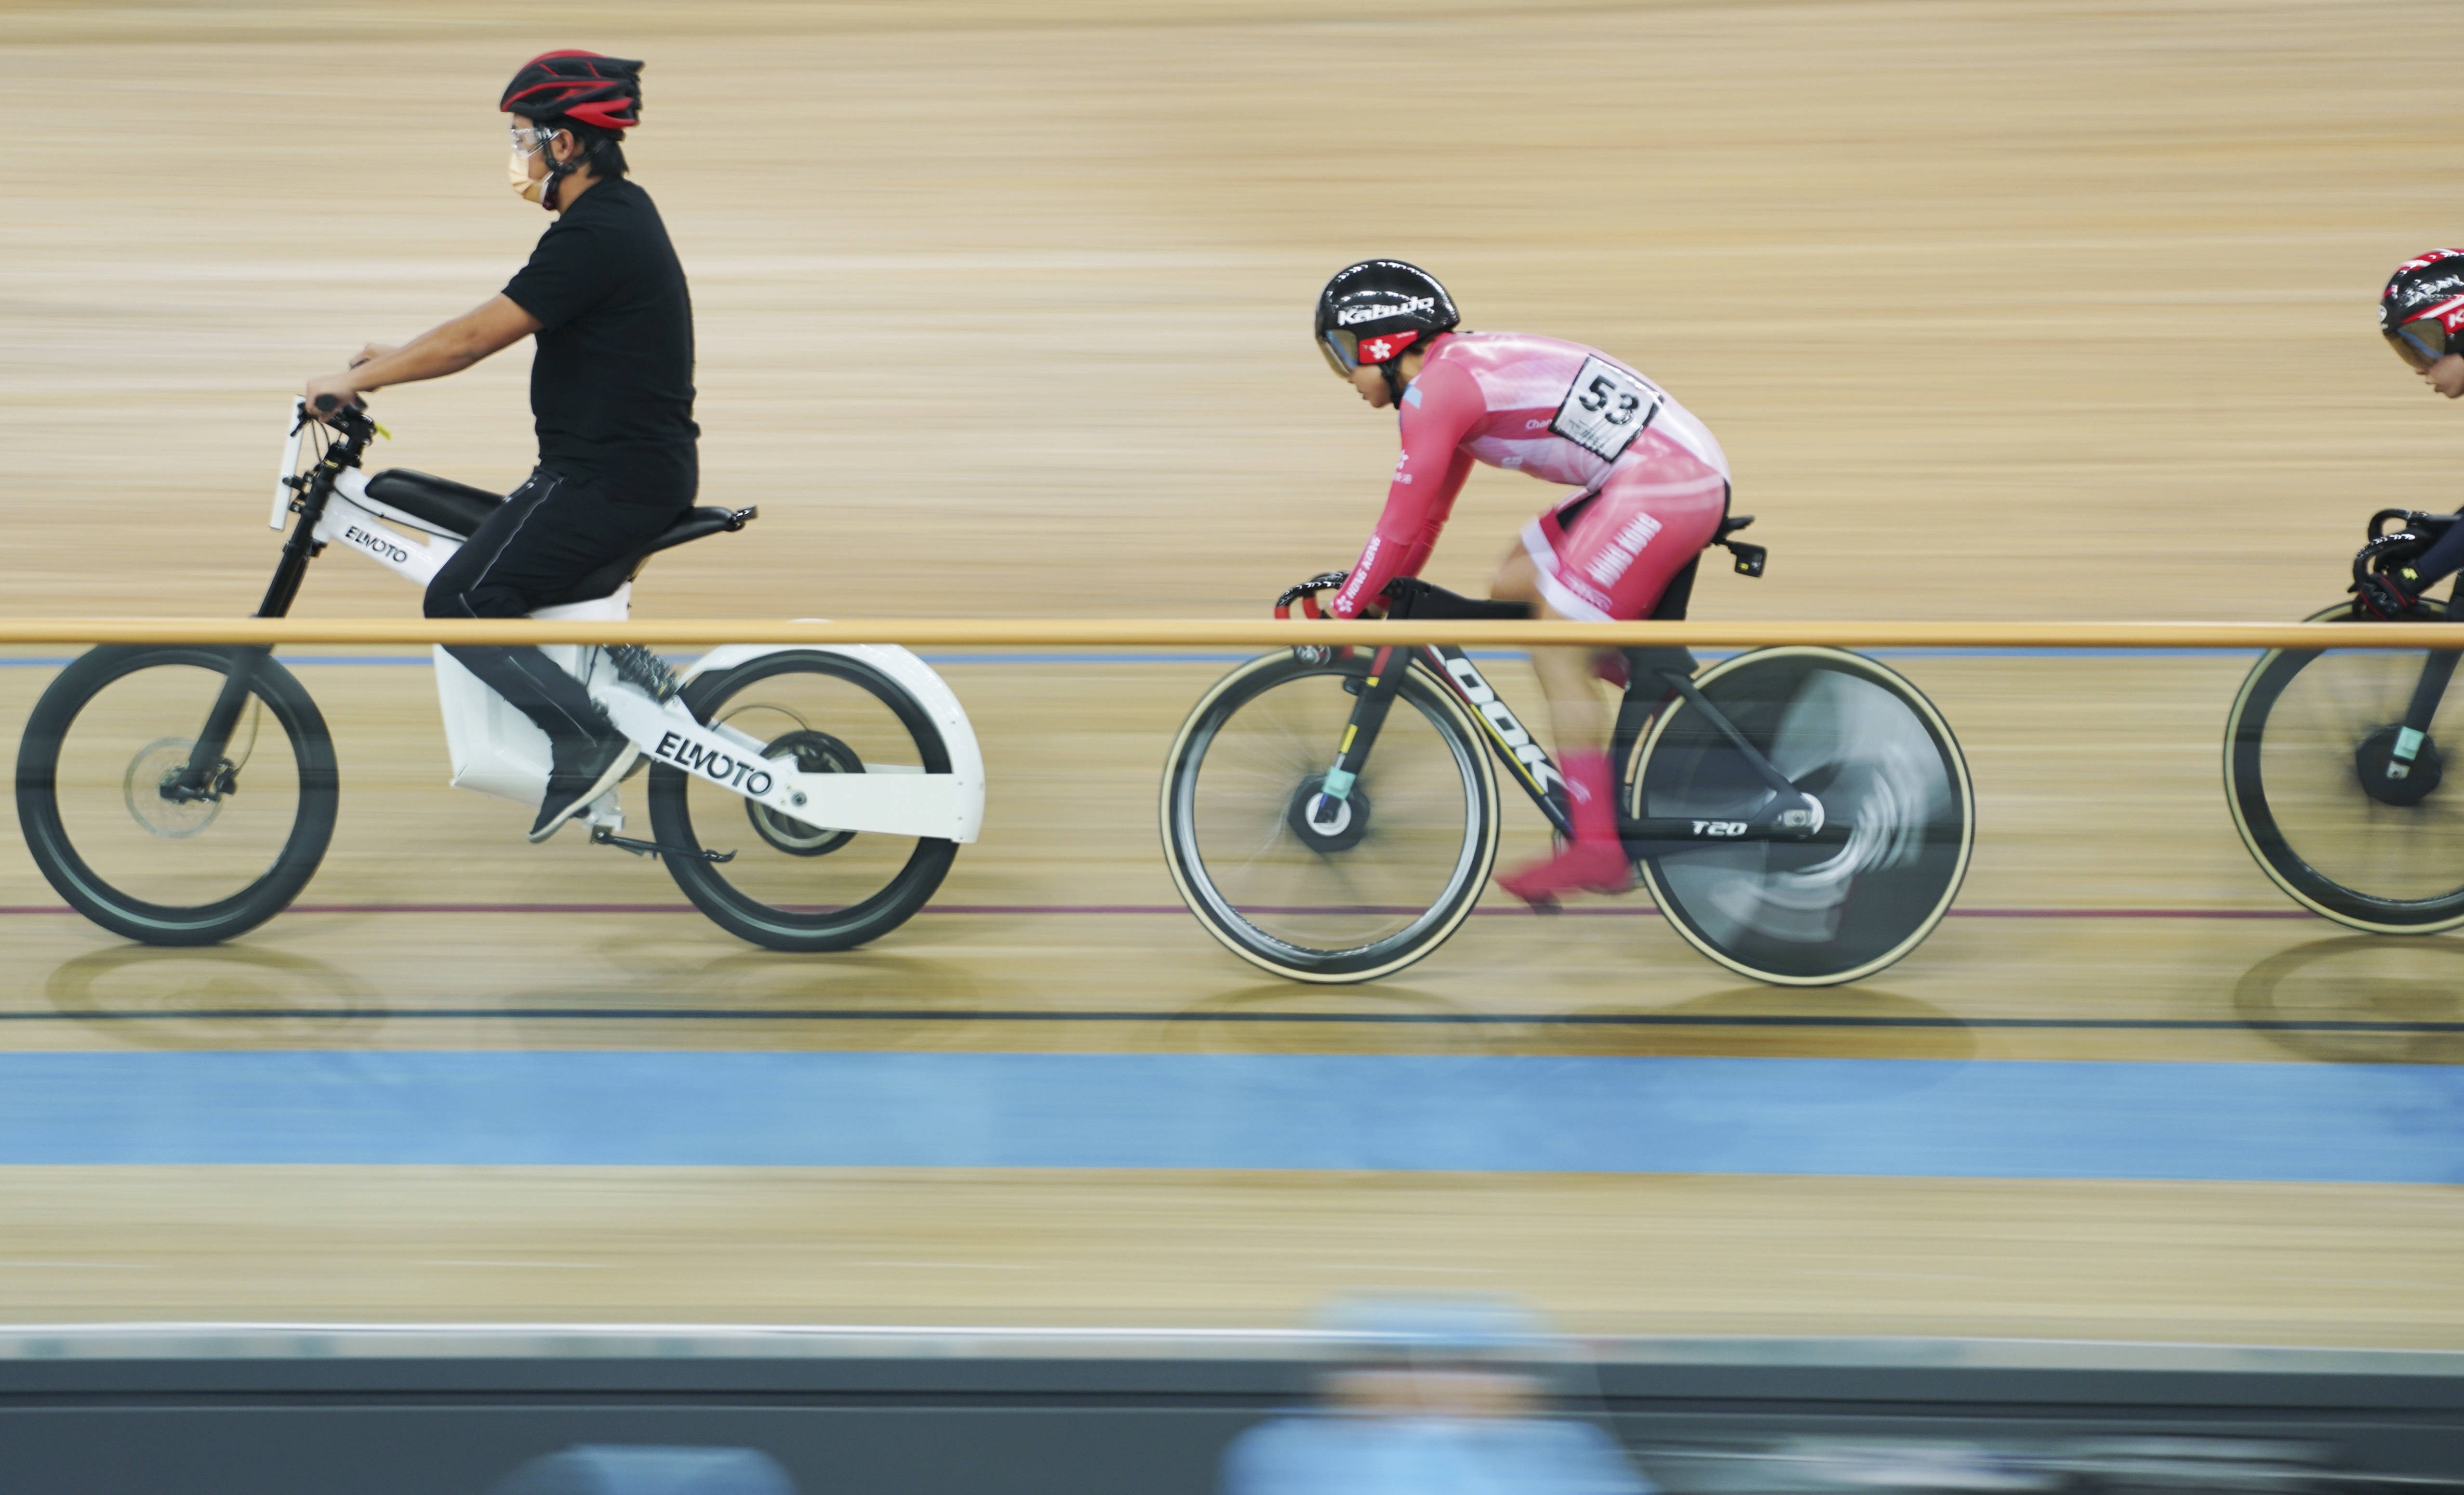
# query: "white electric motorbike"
x,y
807,798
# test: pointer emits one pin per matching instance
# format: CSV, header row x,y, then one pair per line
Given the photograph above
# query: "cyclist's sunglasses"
x,y
2422,343
1342,349
1342,352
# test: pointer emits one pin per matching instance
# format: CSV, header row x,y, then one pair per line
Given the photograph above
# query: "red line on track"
x,y
1639,911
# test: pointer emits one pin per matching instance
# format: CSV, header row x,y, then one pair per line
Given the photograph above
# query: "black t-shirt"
x,y
611,384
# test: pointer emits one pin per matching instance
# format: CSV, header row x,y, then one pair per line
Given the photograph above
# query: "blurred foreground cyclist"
x,y
1435,1397
617,1469
2421,315
1652,486
611,396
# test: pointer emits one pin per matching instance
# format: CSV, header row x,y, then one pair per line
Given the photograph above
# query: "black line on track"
x,y
1672,1019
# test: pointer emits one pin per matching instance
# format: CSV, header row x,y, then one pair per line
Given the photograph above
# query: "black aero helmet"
x,y
1372,311
2421,313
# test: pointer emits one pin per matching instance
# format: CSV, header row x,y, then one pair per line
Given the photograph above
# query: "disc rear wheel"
x,y
1889,775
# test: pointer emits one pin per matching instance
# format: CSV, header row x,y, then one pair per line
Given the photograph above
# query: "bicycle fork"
x,y
209,775
1374,696
2436,673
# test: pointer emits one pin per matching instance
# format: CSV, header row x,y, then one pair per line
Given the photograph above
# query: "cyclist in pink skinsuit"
x,y
1653,486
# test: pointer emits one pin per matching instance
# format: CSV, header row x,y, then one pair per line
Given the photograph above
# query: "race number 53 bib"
x,y
1606,409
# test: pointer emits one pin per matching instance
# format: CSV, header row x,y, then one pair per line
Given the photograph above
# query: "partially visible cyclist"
x,y
611,397
2421,315
1651,486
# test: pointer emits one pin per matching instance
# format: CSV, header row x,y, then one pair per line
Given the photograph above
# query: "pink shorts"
x,y
1606,557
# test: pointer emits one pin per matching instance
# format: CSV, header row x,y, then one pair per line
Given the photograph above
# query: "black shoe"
x,y
584,770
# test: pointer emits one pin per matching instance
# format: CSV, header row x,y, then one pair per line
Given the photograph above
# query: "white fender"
x,y
918,679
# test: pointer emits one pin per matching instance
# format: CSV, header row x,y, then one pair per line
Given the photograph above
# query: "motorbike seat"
x,y
460,508
695,524
455,508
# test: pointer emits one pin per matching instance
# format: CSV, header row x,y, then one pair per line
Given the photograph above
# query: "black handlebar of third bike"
x,y
2416,532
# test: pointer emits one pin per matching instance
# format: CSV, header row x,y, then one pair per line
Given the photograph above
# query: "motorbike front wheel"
x,y
100,802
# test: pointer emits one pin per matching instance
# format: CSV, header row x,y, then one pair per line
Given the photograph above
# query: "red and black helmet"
x,y
584,87
2421,313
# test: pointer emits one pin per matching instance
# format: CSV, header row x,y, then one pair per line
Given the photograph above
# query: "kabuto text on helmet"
x,y
1372,312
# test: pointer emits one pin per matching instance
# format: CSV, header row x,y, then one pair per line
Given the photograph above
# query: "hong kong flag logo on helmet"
x,y
1386,345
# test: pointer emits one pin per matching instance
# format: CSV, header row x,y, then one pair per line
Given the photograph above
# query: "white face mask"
x,y
518,176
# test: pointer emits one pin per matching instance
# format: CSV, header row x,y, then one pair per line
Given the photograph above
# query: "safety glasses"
x,y
1342,350
2421,343
529,139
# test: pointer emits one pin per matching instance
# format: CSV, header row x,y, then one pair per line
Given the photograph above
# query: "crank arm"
x,y
1692,833
603,837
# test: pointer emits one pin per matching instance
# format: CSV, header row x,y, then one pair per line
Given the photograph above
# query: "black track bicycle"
x,y
1801,815
2334,764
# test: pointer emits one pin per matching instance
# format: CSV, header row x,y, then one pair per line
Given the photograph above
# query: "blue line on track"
x,y
1906,1118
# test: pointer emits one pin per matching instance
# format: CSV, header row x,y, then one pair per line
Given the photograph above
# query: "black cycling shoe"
x,y
584,769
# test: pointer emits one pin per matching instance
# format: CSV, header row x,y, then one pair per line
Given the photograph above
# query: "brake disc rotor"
x,y
153,768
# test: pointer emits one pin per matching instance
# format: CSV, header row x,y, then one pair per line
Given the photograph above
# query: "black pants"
x,y
551,532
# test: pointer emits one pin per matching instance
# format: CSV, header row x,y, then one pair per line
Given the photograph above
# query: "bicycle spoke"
x,y
2320,829
1410,842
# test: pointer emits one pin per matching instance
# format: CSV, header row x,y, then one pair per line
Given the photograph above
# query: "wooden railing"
x,y
1186,632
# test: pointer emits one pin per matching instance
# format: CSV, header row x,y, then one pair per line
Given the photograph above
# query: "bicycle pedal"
x,y
652,849
646,672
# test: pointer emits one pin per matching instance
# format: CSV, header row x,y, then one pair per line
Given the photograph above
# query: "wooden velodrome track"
x,y
2060,311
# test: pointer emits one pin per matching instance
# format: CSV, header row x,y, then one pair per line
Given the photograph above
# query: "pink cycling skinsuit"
x,y
1652,483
